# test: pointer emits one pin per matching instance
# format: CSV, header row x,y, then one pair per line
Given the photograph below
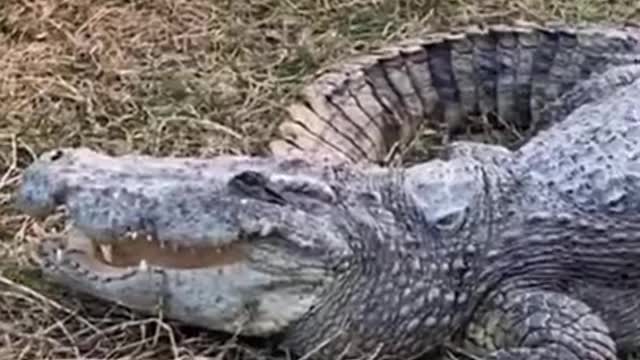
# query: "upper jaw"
x,y
180,205
169,199
60,173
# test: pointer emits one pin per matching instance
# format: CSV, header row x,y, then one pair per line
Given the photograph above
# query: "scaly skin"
x,y
524,254
356,110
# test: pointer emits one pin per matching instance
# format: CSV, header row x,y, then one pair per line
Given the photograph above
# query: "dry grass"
x,y
196,77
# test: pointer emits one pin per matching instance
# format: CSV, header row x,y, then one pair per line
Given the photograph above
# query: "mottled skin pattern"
x,y
531,253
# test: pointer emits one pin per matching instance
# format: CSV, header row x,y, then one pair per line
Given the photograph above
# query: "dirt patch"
x,y
179,77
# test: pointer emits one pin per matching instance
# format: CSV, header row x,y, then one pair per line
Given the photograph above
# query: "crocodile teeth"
x,y
143,266
107,253
59,255
267,229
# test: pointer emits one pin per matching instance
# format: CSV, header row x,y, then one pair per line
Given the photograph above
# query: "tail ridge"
x,y
358,109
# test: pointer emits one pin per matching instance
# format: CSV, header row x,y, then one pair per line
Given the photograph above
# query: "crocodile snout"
x,y
40,193
184,202
174,203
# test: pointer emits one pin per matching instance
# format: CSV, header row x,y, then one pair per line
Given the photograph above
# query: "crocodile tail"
x,y
359,109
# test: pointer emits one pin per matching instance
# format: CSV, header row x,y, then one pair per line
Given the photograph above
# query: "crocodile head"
x,y
237,244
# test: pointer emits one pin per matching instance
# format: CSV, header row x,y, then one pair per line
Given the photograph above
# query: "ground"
x,y
196,77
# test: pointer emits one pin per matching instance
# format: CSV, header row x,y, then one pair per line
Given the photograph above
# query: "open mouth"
x,y
143,251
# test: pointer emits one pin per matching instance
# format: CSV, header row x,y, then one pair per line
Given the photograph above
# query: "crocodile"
x,y
529,252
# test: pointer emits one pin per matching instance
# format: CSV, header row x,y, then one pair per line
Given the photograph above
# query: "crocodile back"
x,y
592,158
359,109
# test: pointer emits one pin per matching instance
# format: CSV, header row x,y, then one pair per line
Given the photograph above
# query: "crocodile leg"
x,y
619,308
525,324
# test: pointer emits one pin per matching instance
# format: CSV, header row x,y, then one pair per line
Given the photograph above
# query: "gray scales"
x,y
524,253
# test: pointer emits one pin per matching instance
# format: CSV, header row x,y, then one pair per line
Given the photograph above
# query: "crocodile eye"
x,y
256,185
448,220
249,178
307,187
453,221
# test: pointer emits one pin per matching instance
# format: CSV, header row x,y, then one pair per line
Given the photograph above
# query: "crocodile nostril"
x,y
56,155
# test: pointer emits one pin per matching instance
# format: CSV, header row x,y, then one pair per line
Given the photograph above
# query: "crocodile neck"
x,y
419,280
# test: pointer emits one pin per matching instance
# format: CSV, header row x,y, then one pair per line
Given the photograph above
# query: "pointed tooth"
x,y
150,238
175,246
267,229
143,266
134,235
59,255
107,252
